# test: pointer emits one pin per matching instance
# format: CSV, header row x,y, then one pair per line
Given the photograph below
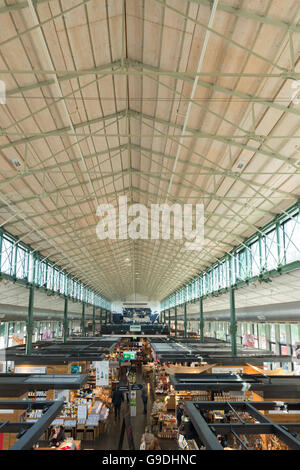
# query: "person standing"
x,y
179,414
145,398
117,399
57,436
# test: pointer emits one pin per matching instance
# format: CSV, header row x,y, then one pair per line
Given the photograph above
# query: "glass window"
x,y
21,265
271,247
50,277
232,270
294,333
31,262
272,332
282,330
7,256
255,259
43,274
242,265
292,239
262,336
56,280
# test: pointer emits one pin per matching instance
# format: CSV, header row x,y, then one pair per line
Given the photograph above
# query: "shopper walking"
x,y
179,414
149,441
145,398
117,398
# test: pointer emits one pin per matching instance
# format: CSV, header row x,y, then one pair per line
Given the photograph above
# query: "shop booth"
x,y
86,409
176,365
25,413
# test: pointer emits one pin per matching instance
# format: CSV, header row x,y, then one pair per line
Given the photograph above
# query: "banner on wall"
x,y
102,373
47,334
17,340
249,340
297,350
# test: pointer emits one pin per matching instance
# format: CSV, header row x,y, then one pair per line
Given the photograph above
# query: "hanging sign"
x,y
82,412
129,355
135,328
136,387
132,402
102,373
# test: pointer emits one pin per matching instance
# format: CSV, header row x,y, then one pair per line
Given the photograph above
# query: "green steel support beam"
x,y
175,311
184,321
83,320
29,325
65,324
201,322
280,261
94,320
169,319
233,323
249,15
101,318
15,261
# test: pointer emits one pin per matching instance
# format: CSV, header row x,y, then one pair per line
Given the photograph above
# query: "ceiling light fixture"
x,y
16,162
240,165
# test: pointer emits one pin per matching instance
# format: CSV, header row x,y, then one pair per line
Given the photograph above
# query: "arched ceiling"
x,y
104,100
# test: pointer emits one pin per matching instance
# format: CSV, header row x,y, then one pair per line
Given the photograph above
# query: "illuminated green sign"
x,y
129,355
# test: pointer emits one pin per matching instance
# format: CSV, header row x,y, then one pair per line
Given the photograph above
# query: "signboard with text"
x,y
102,373
135,328
129,355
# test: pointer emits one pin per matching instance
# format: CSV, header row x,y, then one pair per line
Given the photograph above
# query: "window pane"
x,y
292,239
21,267
7,256
271,251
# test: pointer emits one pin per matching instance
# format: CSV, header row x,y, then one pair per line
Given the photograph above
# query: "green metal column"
x,y
65,324
268,336
233,323
94,318
175,321
105,317
83,320
169,319
101,318
184,322
201,323
6,334
29,325
278,241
